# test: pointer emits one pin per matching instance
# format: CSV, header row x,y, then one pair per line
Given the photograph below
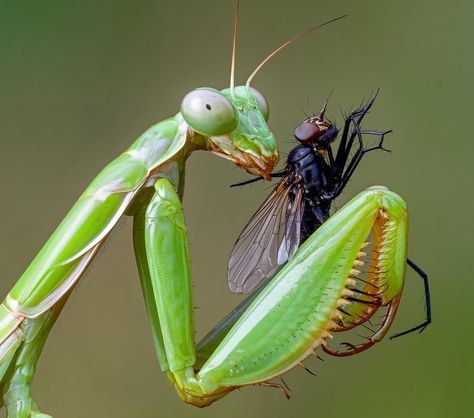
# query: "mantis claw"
x,y
376,337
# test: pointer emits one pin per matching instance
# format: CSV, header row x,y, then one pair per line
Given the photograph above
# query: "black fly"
x,y
313,177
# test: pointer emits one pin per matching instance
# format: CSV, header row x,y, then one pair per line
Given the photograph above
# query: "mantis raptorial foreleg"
x,y
213,338
292,316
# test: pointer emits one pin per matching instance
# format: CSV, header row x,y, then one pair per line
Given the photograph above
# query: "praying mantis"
x,y
275,330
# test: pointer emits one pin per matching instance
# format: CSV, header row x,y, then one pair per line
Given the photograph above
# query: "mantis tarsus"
x,y
286,322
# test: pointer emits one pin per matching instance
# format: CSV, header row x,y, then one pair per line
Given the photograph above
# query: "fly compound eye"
x,y
262,102
307,132
209,112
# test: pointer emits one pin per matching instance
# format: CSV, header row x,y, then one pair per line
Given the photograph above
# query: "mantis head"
x,y
233,123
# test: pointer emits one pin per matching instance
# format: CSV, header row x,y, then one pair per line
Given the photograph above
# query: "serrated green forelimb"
x,y
296,312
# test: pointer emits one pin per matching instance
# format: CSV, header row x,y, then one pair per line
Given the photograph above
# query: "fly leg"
x,y
345,145
421,327
258,178
361,151
340,166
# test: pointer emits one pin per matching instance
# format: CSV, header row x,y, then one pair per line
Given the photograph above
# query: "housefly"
x,y
313,177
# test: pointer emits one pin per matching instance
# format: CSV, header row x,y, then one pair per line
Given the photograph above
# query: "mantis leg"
x,y
165,238
294,314
16,382
147,287
213,338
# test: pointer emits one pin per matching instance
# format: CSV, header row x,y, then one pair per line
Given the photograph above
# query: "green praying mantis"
x,y
274,330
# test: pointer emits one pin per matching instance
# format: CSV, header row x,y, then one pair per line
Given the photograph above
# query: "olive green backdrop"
x,y
80,80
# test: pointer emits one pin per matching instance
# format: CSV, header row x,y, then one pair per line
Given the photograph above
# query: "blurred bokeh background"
x,y
79,81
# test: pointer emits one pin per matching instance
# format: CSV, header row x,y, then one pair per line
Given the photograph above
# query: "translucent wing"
x,y
291,239
270,238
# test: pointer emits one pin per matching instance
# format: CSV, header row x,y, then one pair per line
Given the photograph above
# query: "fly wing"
x,y
255,255
291,239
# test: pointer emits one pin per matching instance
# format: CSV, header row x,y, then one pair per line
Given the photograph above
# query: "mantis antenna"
x,y
234,45
288,42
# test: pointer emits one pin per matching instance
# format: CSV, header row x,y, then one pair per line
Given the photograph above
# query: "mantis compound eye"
x,y
307,132
209,112
262,102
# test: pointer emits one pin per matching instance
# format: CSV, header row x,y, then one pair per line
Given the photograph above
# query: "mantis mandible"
x,y
290,318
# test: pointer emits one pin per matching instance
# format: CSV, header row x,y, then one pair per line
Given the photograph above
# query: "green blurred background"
x,y
80,80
